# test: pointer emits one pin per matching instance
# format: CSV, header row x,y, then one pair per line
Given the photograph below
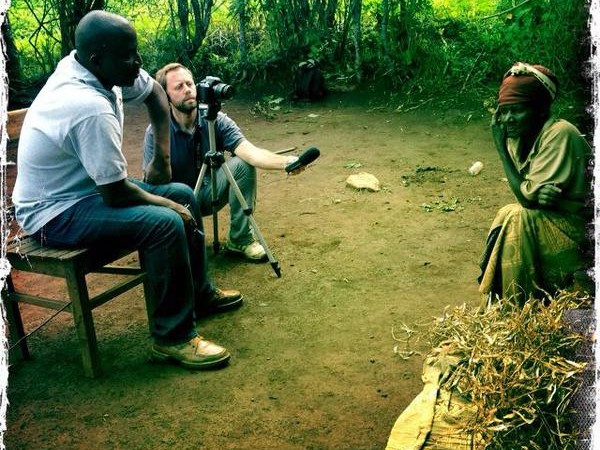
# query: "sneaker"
x,y
197,353
221,300
253,251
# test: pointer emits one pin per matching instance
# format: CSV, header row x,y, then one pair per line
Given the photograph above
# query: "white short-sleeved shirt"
x,y
70,142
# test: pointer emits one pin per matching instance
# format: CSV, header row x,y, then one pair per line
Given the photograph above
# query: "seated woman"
x,y
536,245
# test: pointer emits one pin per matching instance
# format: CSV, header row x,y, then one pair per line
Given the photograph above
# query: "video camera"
x,y
212,90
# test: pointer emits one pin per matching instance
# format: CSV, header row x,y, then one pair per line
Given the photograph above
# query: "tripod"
x,y
214,160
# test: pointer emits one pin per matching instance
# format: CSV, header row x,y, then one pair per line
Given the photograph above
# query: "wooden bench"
x,y
15,122
72,264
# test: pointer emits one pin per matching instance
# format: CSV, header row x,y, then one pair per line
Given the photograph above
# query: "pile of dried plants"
x,y
517,369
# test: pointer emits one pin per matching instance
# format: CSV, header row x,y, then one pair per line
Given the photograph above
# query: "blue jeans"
x,y
175,263
244,175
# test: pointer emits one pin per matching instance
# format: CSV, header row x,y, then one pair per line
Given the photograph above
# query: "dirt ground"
x,y
313,352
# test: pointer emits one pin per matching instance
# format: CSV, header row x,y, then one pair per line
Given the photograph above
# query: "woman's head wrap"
x,y
533,85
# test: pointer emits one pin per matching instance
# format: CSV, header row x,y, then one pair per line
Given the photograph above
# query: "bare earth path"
x,y
313,363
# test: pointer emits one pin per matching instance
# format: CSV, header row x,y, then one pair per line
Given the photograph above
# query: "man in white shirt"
x,y
72,187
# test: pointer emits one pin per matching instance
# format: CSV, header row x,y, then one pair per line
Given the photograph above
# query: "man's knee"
x,y
166,222
180,193
241,169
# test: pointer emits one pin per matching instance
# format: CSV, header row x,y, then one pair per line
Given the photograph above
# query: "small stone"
x,y
364,180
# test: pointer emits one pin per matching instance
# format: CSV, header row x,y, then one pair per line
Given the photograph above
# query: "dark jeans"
x,y
175,264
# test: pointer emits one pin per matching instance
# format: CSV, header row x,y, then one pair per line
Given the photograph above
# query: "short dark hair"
x,y
97,29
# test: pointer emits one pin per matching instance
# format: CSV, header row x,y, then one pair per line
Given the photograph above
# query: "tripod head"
x,y
210,91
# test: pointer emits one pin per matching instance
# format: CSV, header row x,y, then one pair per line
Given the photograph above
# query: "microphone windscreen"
x,y
309,155
305,158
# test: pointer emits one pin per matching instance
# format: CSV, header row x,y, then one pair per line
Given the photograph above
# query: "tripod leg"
x,y
248,211
261,239
215,210
214,200
198,186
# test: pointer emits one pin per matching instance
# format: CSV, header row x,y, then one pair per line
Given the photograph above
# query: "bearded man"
x,y
189,145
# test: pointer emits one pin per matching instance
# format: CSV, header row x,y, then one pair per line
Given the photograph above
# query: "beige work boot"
x,y
220,301
198,353
253,251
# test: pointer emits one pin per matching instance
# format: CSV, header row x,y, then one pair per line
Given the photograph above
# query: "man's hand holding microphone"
x,y
298,163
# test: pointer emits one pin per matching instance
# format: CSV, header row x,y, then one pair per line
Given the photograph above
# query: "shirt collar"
x,y
175,127
71,64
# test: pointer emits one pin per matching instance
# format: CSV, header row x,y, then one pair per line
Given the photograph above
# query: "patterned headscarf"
x,y
533,85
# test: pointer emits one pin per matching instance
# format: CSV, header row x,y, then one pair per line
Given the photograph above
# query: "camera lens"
x,y
223,90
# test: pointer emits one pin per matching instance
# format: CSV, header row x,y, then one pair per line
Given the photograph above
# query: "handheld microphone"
x,y
304,159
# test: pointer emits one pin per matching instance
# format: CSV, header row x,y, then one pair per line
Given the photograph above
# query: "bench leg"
x,y
148,293
15,323
84,321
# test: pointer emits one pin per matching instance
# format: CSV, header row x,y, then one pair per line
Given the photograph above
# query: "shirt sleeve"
x,y
228,132
97,143
140,90
554,159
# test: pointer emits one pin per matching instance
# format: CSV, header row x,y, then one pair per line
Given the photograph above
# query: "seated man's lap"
x,y
91,222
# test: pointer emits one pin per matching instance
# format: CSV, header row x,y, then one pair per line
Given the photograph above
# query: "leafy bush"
x,y
430,47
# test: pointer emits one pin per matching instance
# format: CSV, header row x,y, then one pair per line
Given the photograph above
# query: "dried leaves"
x,y
516,367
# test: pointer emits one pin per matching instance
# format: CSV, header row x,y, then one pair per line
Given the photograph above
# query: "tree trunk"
x,y
183,17
332,6
200,14
70,12
356,38
343,35
13,66
404,29
385,15
240,12
325,14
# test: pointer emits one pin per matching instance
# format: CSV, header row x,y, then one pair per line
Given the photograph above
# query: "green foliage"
x,y
39,48
465,9
548,32
157,37
542,31
428,47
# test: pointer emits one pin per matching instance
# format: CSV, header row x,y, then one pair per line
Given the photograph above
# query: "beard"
x,y
186,106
